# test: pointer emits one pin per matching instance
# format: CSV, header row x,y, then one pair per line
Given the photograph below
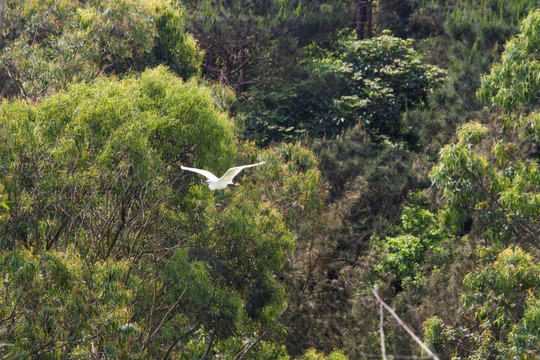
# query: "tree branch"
x,y
208,347
381,330
243,353
405,327
189,331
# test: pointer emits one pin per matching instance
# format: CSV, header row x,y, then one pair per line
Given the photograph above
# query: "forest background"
x,y
402,147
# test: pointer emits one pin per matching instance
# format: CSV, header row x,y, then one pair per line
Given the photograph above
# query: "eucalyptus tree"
x,y
112,250
491,175
48,44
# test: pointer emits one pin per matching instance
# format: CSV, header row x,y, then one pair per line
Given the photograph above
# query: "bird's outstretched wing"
x,y
232,172
204,173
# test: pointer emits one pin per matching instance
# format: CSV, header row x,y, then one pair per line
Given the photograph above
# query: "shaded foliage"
x,y
369,82
247,43
368,182
344,259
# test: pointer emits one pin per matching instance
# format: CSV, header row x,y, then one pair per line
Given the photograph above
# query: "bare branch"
x,y
208,347
150,335
381,329
405,327
189,331
243,353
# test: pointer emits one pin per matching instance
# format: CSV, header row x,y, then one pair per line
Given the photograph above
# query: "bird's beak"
x,y
237,184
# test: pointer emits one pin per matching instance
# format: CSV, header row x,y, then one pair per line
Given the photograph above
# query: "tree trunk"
x,y
224,73
241,84
2,11
361,18
363,15
369,23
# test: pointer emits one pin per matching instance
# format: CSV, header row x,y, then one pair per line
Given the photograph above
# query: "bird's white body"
x,y
213,182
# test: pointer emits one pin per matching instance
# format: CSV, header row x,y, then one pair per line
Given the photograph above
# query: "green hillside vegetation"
x,y
396,215
48,44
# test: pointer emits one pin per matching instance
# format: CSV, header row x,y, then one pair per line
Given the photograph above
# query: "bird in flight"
x,y
213,182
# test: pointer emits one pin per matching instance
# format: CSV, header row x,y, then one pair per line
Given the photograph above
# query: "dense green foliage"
x,y
100,215
502,311
49,44
502,186
501,191
104,146
371,82
401,167
407,252
56,298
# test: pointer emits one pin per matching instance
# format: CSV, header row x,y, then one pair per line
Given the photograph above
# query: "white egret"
x,y
213,182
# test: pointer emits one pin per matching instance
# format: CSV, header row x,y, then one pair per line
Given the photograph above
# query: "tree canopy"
x,y
91,186
48,44
394,214
346,86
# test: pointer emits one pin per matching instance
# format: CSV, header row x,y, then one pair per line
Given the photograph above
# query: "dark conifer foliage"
x,y
246,42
